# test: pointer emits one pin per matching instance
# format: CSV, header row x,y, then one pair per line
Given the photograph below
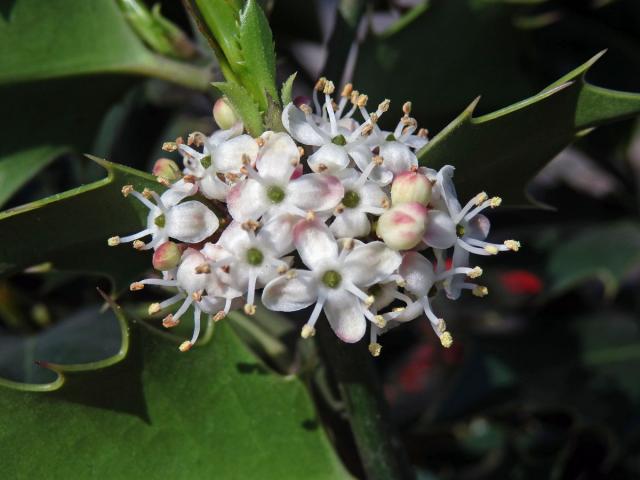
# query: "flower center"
x,y
206,161
351,199
460,231
160,221
275,194
331,279
390,138
339,140
254,257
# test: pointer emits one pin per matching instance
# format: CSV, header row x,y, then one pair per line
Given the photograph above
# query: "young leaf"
x,y
501,151
243,105
287,89
214,412
259,56
71,229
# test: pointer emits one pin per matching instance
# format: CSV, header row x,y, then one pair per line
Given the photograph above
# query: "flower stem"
x,y
381,452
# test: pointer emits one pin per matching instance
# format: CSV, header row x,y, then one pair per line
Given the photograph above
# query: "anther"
x,y
385,203
366,130
249,309
311,215
369,300
481,197
328,88
307,331
169,321
384,105
250,225
197,295
322,167
300,151
480,291
339,209
512,245
154,308
260,141
204,268
401,282
138,244
446,339
491,249
306,109
362,100
442,326
406,108
146,193
377,159
423,133
169,146
163,181
475,272
113,241
219,316
320,84
379,321
190,178
347,243
291,274
495,202
354,97
135,286
347,90
126,190
282,269
185,346
375,349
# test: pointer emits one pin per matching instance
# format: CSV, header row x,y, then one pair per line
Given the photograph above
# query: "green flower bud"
x,y
411,187
167,256
224,114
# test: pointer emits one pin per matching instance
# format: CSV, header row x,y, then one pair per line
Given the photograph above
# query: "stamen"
x,y
185,346
169,146
308,329
113,241
475,201
480,291
196,326
406,108
139,245
446,340
375,349
512,245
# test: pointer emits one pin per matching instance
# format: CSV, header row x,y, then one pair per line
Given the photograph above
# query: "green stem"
x,y
381,452
197,78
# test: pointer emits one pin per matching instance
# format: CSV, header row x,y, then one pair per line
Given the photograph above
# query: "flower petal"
x,y
441,231
329,158
278,158
453,285
351,223
228,156
315,244
220,136
345,315
397,157
277,234
285,294
315,191
247,200
372,195
478,227
371,263
235,239
177,192
212,187
445,187
190,222
296,124
418,273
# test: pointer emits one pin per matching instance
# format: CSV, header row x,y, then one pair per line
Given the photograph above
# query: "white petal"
x,y
315,244
296,124
247,200
441,231
315,191
190,222
397,157
277,159
228,155
445,187
372,195
416,142
329,158
277,234
235,239
177,192
351,223
371,263
384,295
361,155
418,272
211,305
345,315
478,227
285,294
412,311
212,187
453,285
222,136
188,279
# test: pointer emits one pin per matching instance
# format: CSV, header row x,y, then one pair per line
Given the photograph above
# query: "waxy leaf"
x,y
243,104
70,230
152,412
501,151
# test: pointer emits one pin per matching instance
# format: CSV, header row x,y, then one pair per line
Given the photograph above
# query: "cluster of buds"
x,y
334,214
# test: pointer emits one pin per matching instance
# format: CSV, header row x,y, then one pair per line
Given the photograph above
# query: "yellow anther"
x,y
347,90
328,87
446,339
169,146
249,309
135,286
311,215
491,249
406,108
369,300
204,268
354,97
495,202
250,225
260,141
320,84
219,316
146,193
126,190
169,321
307,331
442,326
113,241
154,308
481,197
475,272
480,291
384,105
282,269
377,159
163,181
306,109
513,245
366,130
291,274
375,349
300,151
379,321
185,346
138,244
190,179
362,100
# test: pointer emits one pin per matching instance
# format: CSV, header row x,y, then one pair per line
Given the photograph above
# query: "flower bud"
x,y
410,187
167,169
167,256
403,226
224,115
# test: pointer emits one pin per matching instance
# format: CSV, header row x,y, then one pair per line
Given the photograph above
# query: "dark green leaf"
x,y
501,151
244,105
150,411
71,229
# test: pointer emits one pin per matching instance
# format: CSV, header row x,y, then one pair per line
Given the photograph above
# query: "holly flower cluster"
x,y
334,214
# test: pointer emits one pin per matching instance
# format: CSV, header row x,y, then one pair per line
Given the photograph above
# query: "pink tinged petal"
x,y
371,263
297,173
234,238
315,191
278,158
329,158
345,315
277,234
228,156
478,227
441,231
315,244
285,294
295,123
397,157
444,185
212,187
247,200
418,273
403,226
190,222
177,192
351,223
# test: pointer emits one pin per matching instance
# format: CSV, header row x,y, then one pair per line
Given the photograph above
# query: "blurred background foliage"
x,y
542,379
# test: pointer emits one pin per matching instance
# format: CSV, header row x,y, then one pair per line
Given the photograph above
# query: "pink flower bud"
x,y
224,115
167,169
403,226
167,256
410,187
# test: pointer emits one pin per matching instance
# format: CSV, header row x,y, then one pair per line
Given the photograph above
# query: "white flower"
x,y
251,260
270,189
361,197
404,131
334,282
189,222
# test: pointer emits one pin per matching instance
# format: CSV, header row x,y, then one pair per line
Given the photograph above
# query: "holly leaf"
x,y
501,151
287,89
70,230
243,103
151,411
